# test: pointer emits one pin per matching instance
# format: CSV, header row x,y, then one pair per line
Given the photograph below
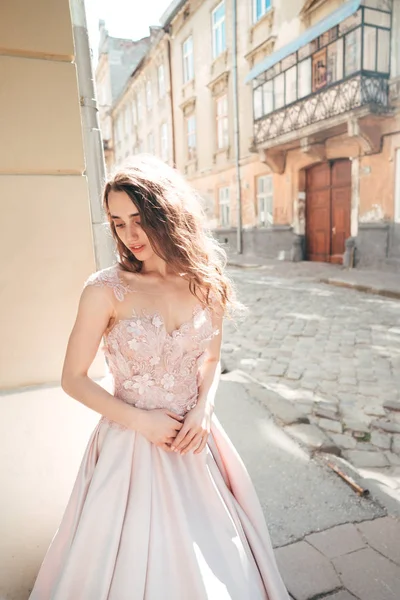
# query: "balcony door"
x,y
328,207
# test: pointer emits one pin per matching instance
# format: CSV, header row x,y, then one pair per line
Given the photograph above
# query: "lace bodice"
x,y
151,367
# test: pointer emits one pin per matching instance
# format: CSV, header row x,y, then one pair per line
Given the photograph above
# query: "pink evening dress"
x,y
145,524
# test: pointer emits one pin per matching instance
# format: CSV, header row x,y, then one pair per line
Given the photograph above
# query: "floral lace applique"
x,y
110,277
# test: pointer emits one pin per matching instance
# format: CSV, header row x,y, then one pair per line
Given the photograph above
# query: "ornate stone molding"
x,y
264,49
368,135
188,106
275,159
220,84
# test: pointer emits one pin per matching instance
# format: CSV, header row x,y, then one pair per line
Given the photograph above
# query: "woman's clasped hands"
x,y
175,433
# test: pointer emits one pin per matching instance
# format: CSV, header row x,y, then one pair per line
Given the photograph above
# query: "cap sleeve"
x,y
109,278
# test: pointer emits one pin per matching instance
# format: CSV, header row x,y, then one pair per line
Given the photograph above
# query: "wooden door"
x,y
318,217
328,200
340,208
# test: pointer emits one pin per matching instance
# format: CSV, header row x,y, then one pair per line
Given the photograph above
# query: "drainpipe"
x,y
239,241
92,141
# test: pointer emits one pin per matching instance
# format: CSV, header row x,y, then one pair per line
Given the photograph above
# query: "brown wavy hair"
x,y
172,217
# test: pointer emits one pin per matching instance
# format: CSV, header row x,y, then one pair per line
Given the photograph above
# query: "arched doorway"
x,y
328,210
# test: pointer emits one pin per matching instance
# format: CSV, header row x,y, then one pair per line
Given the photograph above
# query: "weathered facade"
x,y
307,142
142,115
327,124
118,58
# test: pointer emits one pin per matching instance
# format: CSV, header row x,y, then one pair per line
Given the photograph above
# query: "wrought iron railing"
x,y
332,101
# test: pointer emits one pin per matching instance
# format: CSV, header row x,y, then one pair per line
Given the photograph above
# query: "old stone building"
x,y
118,58
142,115
327,125
289,111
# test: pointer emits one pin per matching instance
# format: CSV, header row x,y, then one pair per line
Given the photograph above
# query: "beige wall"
x,y
46,237
46,254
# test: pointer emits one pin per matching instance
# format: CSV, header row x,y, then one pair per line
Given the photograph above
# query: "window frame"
x,y
222,119
264,9
217,28
223,204
188,60
191,149
265,196
161,81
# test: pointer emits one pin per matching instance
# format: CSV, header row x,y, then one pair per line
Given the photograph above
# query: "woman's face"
x,y
126,219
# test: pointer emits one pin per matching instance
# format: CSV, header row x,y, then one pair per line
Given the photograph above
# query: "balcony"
x,y
345,96
337,69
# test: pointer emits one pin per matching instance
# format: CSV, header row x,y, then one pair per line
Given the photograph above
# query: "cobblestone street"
x,y
328,360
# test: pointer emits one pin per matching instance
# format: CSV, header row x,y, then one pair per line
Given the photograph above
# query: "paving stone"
x,y
396,444
356,426
375,411
363,459
313,437
277,369
381,440
305,571
337,541
394,459
384,536
392,405
326,413
329,425
342,595
368,575
344,441
388,426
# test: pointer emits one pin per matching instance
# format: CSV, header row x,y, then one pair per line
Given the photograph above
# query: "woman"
x,y
162,507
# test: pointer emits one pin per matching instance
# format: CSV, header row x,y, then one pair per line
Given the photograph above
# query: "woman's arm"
x,y
94,313
196,428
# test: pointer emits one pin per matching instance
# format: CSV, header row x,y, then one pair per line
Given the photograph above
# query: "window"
x,y
218,29
369,57
335,61
164,141
383,50
222,122
265,200
258,102
291,85
224,207
161,81
149,96
268,96
319,75
260,8
191,137
353,52
187,53
150,143
279,91
304,78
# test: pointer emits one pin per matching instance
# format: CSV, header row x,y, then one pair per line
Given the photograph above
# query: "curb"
x,y
369,289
